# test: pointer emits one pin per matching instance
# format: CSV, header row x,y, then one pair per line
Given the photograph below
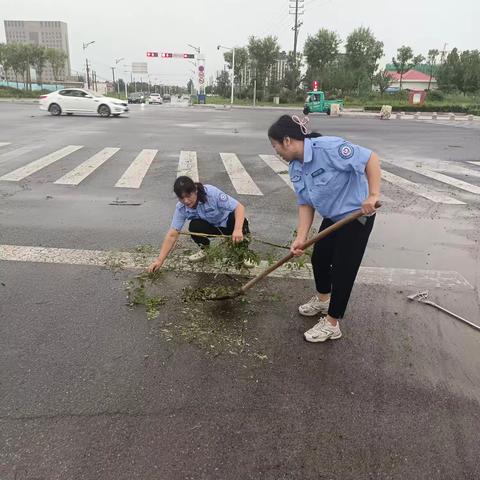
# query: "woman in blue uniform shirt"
x,y
209,210
335,178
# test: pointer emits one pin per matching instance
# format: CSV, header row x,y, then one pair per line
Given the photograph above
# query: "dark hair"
x,y
286,127
185,186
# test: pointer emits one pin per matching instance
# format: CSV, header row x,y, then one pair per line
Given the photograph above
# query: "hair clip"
x,y
302,123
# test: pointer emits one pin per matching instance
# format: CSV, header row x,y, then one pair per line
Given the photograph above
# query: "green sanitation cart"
x,y
316,103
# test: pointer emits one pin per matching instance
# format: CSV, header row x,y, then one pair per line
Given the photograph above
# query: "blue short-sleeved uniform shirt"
x,y
331,177
215,210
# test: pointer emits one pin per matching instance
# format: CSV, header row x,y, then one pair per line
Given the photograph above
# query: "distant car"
x,y
136,97
81,100
155,98
167,98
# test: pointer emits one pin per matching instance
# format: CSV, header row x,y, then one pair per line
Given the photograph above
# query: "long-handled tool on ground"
x,y
422,298
286,258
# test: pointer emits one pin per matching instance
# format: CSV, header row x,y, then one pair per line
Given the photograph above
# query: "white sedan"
x,y
155,98
80,100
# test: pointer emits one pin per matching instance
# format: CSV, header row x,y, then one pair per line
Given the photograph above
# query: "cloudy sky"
x,y
129,29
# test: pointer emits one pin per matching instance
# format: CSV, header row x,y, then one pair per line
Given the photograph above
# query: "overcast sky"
x,y
129,31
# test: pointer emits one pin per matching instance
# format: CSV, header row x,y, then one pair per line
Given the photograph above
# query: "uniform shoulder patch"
x,y
345,150
223,197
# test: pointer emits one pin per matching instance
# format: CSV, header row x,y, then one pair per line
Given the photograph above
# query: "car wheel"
x,y
104,110
306,111
55,109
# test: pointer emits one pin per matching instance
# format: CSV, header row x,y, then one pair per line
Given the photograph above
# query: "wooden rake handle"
x,y
308,243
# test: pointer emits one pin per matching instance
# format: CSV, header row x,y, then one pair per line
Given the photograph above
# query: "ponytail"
x,y
201,193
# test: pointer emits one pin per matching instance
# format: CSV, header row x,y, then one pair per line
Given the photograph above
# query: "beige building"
x,y
51,34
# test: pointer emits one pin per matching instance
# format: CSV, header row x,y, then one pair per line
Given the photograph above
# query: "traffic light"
x,y
152,54
315,85
188,55
167,55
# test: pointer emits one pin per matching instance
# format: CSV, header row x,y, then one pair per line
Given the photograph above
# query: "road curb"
x,y
31,101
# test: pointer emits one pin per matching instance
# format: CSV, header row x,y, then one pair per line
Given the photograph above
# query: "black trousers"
x,y
336,260
202,226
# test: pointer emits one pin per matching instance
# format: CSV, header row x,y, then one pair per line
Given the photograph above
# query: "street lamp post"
x,y
125,71
117,61
85,45
233,68
253,71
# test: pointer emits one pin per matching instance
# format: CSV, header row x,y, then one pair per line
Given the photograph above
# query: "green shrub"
x,y
473,109
435,96
10,92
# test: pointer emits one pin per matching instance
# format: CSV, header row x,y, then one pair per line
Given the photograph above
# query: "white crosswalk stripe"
x,y
419,189
243,182
134,174
280,168
440,177
188,165
239,177
85,169
35,166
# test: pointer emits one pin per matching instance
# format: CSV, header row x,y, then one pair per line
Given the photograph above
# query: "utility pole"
x,y
85,45
444,53
233,69
298,9
113,75
88,75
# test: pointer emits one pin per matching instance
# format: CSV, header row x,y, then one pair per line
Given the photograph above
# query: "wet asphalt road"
x,y
92,389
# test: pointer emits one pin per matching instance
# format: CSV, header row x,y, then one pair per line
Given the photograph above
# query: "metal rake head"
x,y
418,296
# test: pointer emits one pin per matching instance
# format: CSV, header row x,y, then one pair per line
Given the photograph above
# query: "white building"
x,y
52,34
412,80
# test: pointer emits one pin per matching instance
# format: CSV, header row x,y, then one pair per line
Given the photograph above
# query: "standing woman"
x,y
335,178
209,210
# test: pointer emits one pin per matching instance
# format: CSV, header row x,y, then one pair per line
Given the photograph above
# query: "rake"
x,y
324,233
422,298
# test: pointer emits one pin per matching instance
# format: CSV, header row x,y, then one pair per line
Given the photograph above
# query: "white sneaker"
x,y
313,307
197,257
322,331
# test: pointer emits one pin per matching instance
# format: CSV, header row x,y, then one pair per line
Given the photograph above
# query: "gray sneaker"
x,y
197,257
313,307
323,331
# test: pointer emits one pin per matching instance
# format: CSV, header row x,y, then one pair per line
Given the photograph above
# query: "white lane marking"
x,y
279,167
440,177
419,189
6,157
4,144
86,168
475,163
369,275
430,168
35,166
134,174
188,165
241,180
